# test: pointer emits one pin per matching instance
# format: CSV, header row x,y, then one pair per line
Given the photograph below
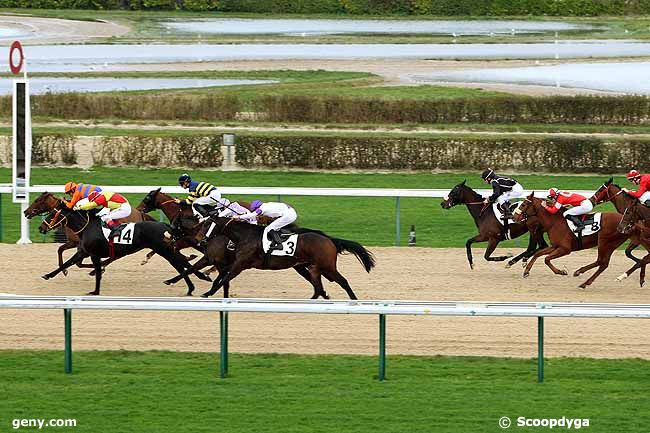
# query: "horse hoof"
x,y
168,282
188,294
93,293
582,286
144,262
642,283
471,266
509,255
526,274
46,277
622,276
206,295
65,273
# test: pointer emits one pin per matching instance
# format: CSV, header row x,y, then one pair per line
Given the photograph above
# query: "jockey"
x,y
118,206
580,205
283,213
504,189
202,195
227,209
643,193
78,192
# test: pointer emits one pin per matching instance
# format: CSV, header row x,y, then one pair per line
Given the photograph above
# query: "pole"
x,y
540,349
397,221
1,225
67,314
24,225
223,326
382,347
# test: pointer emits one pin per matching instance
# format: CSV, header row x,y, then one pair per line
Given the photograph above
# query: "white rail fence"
x,y
279,192
382,308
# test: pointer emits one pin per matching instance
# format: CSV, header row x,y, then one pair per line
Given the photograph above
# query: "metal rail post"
x,y
223,328
382,347
397,222
540,349
67,314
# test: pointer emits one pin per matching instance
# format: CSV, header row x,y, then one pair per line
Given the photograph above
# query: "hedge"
x,y
177,151
573,155
611,110
362,7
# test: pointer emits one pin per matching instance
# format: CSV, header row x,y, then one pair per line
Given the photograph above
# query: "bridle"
x,y
525,213
608,198
50,226
452,200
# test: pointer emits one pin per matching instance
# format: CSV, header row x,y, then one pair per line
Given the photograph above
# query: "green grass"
x,y
181,392
370,221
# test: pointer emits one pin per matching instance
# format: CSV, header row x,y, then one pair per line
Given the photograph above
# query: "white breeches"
x,y
644,197
286,219
211,199
516,192
121,212
585,207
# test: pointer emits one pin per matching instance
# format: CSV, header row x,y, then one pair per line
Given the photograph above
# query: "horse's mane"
x,y
477,196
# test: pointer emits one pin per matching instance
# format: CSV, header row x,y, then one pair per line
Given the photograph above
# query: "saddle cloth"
x,y
126,235
289,244
592,225
499,214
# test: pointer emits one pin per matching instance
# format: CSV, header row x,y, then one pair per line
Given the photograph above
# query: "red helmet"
x,y
93,195
553,192
633,174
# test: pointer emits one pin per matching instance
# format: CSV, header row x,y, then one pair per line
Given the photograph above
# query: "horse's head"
x,y
606,192
455,196
54,219
149,202
526,209
42,205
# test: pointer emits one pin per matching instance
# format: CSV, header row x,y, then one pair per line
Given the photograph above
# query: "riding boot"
x,y
505,209
202,209
276,241
646,203
575,219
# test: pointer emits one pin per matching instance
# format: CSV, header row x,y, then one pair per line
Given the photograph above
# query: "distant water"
x,y
84,57
623,77
300,27
42,85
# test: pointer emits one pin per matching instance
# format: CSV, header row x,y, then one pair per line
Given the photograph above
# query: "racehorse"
x,y
314,251
613,193
92,243
489,227
563,241
46,202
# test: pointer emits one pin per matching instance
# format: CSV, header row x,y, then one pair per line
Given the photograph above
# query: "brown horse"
x,y
489,227
314,251
563,241
46,202
613,193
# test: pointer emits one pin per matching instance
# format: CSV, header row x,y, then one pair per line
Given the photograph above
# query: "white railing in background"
x,y
290,306
279,192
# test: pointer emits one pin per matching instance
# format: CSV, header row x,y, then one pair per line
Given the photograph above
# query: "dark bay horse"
x,y
315,252
92,243
489,227
46,202
563,241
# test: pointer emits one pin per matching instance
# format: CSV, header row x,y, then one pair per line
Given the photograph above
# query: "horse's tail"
x,y
364,256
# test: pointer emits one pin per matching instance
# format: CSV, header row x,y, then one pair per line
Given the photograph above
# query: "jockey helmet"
x,y
70,187
255,204
184,178
633,174
487,174
93,195
553,192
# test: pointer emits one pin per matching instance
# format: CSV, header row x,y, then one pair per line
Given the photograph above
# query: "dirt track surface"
x,y
402,273
54,30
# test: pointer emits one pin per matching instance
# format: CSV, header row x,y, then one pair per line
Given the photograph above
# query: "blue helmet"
x,y
184,178
255,204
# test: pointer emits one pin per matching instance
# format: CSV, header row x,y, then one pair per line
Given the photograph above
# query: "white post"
x,y
24,226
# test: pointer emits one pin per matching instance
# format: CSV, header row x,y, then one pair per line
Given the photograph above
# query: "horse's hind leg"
x,y
537,255
336,276
603,263
311,277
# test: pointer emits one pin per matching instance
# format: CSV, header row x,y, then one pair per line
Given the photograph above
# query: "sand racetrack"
x,y
401,273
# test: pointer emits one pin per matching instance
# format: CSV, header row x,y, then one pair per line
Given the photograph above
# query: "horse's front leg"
x,y
66,246
468,246
492,244
97,262
202,263
235,270
532,247
77,258
537,255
